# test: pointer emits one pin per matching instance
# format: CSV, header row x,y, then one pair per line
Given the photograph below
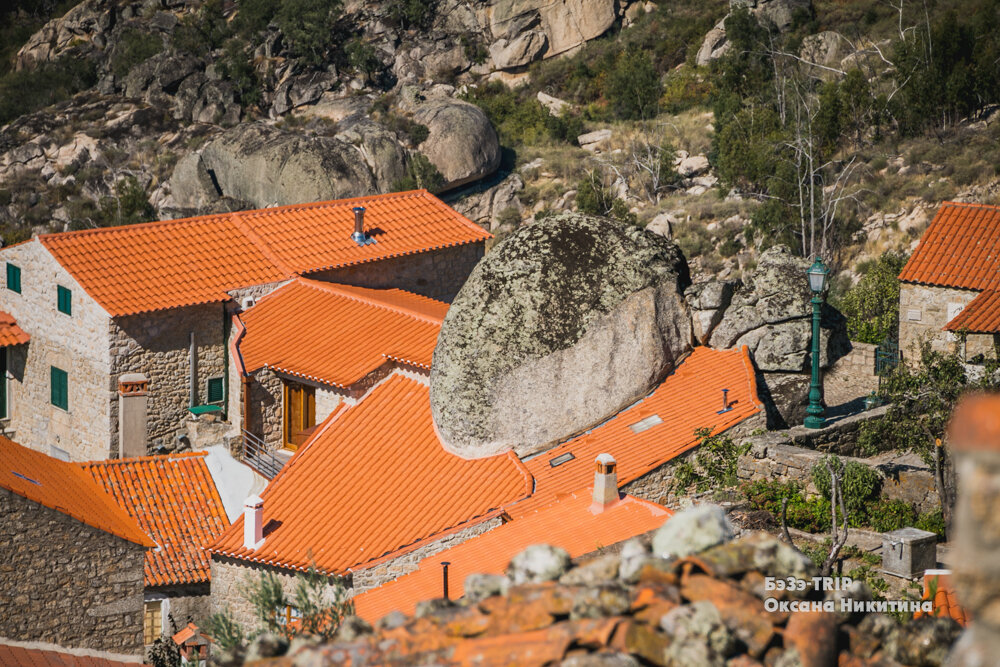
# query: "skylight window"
x,y
561,459
645,424
27,479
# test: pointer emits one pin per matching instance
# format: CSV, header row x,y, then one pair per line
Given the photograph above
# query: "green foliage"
x,y
415,132
932,522
235,66
128,206
29,90
521,120
254,16
872,306
321,613
714,465
595,198
134,46
859,483
224,630
809,514
408,14
421,173
163,653
684,89
309,27
887,515
362,58
202,31
473,48
633,87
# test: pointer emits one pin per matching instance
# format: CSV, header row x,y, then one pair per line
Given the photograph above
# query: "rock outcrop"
x,y
780,13
461,142
564,25
564,322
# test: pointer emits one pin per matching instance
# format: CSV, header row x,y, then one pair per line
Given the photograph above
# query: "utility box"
x,y
908,552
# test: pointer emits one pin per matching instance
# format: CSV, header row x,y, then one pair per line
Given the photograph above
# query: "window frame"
x,y
64,297
208,392
56,372
13,271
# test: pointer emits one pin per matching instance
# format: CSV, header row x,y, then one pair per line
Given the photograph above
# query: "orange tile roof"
x,y
10,333
315,237
175,501
156,265
568,523
981,315
373,481
687,400
13,655
64,487
289,331
961,248
945,602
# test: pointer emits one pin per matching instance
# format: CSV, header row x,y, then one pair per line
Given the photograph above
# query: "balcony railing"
x,y
257,455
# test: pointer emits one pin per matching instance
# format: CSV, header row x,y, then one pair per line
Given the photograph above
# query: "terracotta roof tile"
x,y
289,331
10,333
945,602
22,656
687,400
175,501
64,487
568,523
373,482
961,248
981,315
151,266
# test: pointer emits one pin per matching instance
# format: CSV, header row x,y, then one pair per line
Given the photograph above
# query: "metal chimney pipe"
x,y
444,576
725,399
359,225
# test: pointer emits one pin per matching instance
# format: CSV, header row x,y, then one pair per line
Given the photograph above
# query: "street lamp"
x,y
818,274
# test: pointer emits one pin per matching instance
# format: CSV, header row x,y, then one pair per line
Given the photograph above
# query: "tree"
x,y
309,26
838,531
633,87
872,306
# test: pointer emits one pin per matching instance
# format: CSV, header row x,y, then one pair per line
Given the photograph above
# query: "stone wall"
x,y
856,368
924,309
183,604
157,344
266,405
230,575
76,343
438,274
64,582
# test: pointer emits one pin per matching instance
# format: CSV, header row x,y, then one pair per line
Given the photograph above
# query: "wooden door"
x,y
300,413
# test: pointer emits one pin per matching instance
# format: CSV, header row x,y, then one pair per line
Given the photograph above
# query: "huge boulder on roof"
x,y
563,323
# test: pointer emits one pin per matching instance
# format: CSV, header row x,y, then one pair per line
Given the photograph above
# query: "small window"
x,y
152,621
59,389
13,277
64,300
215,390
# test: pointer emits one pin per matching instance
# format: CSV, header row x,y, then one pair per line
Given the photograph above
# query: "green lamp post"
x,y
818,274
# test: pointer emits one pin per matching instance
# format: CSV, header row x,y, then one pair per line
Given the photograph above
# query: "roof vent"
x,y
561,459
605,483
248,302
359,226
253,522
645,424
726,405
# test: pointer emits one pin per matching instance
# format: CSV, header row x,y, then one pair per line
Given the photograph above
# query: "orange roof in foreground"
x,y
686,400
22,656
981,315
568,523
289,330
175,501
374,480
64,487
961,248
10,333
945,602
156,265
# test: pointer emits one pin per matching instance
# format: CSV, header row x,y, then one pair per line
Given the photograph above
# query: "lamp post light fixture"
x,y
818,275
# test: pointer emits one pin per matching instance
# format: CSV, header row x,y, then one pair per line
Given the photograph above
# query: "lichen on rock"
x,y
564,322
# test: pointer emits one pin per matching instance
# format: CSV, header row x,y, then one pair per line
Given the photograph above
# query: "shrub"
x,y
521,120
809,514
235,67
684,89
408,14
888,515
309,27
362,58
421,173
859,483
633,87
872,306
415,132
129,205
932,521
29,90
134,46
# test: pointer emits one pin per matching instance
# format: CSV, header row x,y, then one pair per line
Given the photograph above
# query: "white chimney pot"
x,y
253,522
605,483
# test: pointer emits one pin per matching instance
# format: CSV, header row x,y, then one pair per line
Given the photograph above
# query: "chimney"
x,y
359,225
253,522
605,484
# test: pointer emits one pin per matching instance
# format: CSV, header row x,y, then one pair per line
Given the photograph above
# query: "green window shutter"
x,y
13,277
59,388
64,300
216,390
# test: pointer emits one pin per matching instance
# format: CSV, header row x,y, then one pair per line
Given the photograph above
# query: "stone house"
x,y
174,500
368,496
127,328
310,347
71,559
949,293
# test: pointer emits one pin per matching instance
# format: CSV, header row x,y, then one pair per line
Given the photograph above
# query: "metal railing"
x,y
257,455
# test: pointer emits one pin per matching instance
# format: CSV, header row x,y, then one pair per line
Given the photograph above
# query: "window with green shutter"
x,y
64,300
216,390
59,388
13,277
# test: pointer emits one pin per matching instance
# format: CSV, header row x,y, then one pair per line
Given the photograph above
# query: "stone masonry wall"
x,y
266,407
856,368
157,345
230,576
924,309
76,343
64,582
438,274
